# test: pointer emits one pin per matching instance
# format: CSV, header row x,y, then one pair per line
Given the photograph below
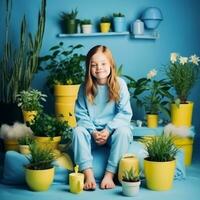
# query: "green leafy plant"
x,y
160,148
30,100
40,158
183,73
105,19
18,66
69,15
118,15
86,21
50,126
130,176
65,67
26,140
153,94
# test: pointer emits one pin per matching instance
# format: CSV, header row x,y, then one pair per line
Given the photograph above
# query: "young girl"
x,y
103,114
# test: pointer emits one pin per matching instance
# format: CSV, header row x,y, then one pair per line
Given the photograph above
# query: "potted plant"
x,y
24,143
48,130
86,25
159,166
18,65
70,21
119,22
39,173
30,102
105,23
130,183
66,73
152,94
183,73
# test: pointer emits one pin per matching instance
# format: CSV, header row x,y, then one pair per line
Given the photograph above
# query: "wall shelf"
x,y
94,34
151,36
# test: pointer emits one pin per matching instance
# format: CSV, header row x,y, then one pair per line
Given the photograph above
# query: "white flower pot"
x,y
87,28
130,189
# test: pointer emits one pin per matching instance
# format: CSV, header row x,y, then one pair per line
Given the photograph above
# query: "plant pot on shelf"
x,y
182,115
71,26
105,27
119,24
65,97
87,28
152,120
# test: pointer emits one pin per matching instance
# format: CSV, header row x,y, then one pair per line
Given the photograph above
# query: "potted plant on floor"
x,y
130,183
159,166
39,173
119,22
18,65
183,73
105,23
86,25
30,103
66,73
24,143
152,94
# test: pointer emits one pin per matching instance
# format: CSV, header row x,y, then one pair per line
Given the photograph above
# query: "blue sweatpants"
x,y
83,143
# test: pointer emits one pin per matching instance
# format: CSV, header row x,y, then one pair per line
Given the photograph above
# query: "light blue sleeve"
x,y
81,111
124,112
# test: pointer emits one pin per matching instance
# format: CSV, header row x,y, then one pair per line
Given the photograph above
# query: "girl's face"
x,y
100,67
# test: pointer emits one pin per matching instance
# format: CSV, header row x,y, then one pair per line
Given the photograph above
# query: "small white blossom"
x,y
173,57
183,60
151,74
194,59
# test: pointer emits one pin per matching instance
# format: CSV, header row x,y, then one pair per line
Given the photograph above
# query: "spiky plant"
x,y
26,140
130,176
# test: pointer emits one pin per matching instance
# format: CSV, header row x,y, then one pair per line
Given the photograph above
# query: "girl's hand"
x,y
101,137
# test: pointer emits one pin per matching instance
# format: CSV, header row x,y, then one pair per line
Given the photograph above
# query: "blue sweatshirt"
x,y
103,113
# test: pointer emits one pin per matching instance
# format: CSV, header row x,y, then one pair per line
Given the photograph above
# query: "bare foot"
x,y
90,183
107,182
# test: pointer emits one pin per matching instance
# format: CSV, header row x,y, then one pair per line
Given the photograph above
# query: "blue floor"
x,y
184,190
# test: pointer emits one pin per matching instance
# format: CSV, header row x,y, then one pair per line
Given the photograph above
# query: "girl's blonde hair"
x,y
90,81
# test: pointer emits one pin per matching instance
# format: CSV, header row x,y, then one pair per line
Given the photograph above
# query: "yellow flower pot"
x,y
126,162
11,145
182,115
65,97
29,115
159,175
24,149
186,144
152,120
39,180
104,27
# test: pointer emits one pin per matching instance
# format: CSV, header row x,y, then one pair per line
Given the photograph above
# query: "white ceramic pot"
x,y
130,189
87,28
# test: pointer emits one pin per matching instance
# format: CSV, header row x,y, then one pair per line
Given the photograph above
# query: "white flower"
x,y
173,57
183,60
151,74
194,59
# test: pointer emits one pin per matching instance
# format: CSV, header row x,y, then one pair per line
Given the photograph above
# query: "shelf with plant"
x,y
105,24
86,26
119,22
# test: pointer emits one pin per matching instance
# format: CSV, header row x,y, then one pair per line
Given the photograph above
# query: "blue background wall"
x,y
179,32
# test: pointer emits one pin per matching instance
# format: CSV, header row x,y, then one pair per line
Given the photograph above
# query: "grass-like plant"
x,y
26,140
160,148
130,176
40,158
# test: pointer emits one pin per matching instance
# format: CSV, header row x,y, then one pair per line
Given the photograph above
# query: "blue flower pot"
x,y
119,24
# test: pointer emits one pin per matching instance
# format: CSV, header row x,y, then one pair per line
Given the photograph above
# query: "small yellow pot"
x,y
159,175
39,180
182,115
24,149
11,145
152,120
29,115
105,27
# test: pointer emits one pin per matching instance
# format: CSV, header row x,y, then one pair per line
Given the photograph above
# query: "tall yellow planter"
x,y
182,115
152,120
65,98
39,180
159,175
29,115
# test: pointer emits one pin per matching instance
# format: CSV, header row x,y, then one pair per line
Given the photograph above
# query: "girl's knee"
x,y
79,132
124,131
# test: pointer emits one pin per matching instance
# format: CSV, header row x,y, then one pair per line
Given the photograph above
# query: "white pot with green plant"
x,y
30,103
160,164
119,22
130,183
24,143
66,73
39,173
18,64
86,26
182,72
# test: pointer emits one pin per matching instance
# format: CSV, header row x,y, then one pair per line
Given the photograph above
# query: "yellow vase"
x,y
104,27
11,145
65,98
126,162
39,180
159,175
186,144
182,115
152,120
29,115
